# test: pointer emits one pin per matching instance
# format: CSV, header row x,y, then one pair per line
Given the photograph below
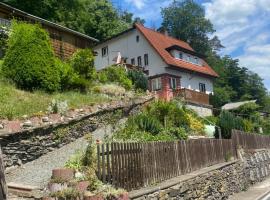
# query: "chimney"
x,y
163,31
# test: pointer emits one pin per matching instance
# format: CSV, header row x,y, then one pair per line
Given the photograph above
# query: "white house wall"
x,y
192,80
129,48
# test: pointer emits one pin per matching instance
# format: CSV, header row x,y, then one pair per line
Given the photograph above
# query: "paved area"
x,y
257,192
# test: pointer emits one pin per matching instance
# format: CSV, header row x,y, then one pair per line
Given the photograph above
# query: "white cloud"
x,y
139,4
244,29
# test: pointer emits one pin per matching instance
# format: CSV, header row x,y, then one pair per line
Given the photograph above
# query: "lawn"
x,y
15,103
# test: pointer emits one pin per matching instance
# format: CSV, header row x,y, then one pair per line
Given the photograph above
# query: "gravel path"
x,y
38,172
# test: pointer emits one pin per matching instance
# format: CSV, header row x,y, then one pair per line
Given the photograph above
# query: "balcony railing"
x,y
193,96
4,22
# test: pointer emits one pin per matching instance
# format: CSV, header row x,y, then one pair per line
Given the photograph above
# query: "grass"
x,y
15,103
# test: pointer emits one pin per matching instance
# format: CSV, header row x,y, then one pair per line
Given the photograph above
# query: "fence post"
x,y
3,186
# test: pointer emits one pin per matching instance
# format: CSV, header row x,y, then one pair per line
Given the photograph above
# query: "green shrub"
x,y
82,62
139,80
29,60
115,74
227,122
4,32
148,123
178,133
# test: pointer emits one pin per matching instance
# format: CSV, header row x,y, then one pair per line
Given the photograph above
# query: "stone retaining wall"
x,y
27,145
220,183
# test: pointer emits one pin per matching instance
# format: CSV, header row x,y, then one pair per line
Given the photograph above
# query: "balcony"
x,y
193,96
4,22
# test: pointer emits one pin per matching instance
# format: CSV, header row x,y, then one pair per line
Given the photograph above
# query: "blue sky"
x,y
242,25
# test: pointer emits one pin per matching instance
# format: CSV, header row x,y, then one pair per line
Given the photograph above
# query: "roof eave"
x,y
170,66
46,22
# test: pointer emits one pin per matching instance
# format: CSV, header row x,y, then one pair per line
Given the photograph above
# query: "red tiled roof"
x,y
160,42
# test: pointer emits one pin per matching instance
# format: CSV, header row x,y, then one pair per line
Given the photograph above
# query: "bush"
x,y
148,123
109,89
82,62
227,122
29,60
115,74
138,79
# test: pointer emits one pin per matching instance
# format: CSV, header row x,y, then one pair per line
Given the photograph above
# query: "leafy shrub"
x,y
115,74
57,106
82,62
195,125
179,133
227,122
148,123
29,59
138,79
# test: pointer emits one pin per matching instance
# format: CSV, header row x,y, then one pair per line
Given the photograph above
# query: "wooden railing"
x,y
4,22
193,96
135,165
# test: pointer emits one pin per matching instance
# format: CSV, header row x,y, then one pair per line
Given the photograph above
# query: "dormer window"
x,y
180,55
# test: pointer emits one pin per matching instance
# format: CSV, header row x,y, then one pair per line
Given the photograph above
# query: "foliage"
x,y
82,62
57,106
109,89
60,134
68,193
196,125
4,32
97,18
185,20
235,83
75,162
227,122
29,59
15,103
138,79
147,123
161,121
115,74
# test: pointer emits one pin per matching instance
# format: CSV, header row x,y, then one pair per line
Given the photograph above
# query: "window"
x,y
104,51
173,83
137,38
139,59
196,61
156,84
202,87
181,55
133,61
145,59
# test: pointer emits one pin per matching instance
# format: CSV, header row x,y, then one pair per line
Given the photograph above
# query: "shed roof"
x,y
44,21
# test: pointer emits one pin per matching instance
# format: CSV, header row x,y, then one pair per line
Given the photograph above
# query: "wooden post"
x,y
3,186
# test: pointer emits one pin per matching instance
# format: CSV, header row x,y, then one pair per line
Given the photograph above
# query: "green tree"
x,y
29,61
97,18
186,21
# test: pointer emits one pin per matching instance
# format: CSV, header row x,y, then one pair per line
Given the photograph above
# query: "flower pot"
x,y
63,174
82,186
55,187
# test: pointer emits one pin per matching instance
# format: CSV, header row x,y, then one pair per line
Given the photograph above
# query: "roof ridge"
x,y
171,37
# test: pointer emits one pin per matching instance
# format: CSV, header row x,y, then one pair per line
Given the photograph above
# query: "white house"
x,y
173,67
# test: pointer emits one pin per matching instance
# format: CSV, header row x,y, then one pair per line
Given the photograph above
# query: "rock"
x,y
1,126
45,119
27,124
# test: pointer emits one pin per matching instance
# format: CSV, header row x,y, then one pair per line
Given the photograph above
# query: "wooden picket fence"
x,y
135,165
250,140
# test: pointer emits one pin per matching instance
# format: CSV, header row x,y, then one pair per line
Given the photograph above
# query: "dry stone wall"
x,y
220,183
27,145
